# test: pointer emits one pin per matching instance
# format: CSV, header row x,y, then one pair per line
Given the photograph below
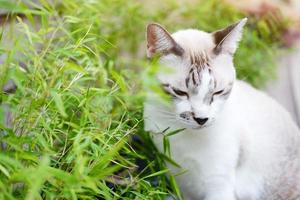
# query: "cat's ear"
x,y
159,41
227,39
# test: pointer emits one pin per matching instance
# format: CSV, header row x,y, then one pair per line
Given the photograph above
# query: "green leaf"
x,y
175,187
157,173
59,103
11,6
166,145
119,80
74,66
4,171
174,132
98,167
170,160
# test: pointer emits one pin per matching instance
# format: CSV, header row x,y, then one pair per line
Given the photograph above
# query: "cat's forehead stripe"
x,y
198,59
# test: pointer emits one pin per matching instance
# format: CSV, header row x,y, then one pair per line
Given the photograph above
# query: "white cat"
x,y
238,143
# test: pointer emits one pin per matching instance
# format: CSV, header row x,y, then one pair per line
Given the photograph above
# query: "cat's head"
x,y
201,72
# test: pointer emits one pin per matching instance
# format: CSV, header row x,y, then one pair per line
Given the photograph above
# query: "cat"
x,y
237,142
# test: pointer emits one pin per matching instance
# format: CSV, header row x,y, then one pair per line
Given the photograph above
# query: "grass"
x,y
79,103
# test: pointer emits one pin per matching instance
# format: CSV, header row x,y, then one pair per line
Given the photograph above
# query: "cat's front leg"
x,y
221,195
219,171
220,188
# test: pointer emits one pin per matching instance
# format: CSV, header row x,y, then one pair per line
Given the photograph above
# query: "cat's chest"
x,y
200,146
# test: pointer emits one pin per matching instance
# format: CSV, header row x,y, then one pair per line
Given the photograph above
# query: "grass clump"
x,y
78,67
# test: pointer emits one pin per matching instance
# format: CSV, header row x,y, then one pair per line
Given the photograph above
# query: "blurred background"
x,y
72,76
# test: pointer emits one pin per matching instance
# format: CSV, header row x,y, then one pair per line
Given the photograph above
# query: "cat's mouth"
x,y
201,127
197,127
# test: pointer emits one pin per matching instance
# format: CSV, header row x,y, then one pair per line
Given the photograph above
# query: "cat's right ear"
x,y
159,41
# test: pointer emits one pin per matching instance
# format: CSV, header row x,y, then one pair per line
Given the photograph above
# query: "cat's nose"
x,y
200,121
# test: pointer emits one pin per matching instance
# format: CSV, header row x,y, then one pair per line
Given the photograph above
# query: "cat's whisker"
x,y
165,111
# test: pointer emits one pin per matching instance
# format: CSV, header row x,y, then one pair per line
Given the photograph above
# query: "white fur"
x,y
249,151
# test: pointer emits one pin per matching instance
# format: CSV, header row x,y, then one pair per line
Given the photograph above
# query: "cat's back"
x,y
258,107
263,119
270,140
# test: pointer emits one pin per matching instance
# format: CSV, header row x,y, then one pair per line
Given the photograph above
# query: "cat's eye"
x,y
174,92
218,92
168,90
180,92
214,94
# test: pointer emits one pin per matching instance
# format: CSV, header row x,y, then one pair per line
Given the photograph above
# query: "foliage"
x,y
79,98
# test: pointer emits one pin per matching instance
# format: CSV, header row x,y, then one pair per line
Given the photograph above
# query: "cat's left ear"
x,y
227,39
